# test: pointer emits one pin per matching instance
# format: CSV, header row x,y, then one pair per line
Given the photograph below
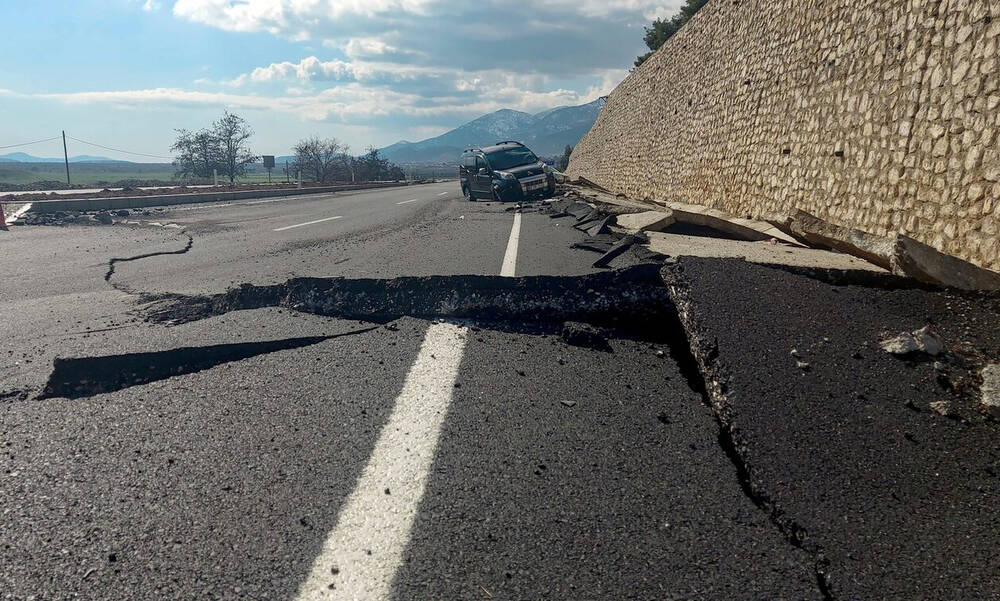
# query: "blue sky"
x,y
127,73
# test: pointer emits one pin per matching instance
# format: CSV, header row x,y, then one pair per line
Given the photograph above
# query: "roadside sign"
x,y
268,164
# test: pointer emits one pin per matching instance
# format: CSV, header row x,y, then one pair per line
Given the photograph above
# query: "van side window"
x,y
480,162
469,161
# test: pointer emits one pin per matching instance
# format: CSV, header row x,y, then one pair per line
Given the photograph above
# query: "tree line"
x,y
224,149
663,29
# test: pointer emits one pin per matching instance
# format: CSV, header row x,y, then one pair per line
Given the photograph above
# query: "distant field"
x,y
101,174
83,173
44,176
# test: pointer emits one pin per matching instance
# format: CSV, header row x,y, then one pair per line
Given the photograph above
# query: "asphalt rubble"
x,y
62,218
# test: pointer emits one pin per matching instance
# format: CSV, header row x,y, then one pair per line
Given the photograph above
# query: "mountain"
x,y
20,157
547,133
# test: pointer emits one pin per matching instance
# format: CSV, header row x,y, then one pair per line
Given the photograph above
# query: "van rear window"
x,y
511,157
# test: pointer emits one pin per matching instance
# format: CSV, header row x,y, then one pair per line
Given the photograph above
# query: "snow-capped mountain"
x,y
547,133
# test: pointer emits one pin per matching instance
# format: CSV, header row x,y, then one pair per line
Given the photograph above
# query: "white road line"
x,y
18,213
442,194
406,201
288,227
360,557
510,257
283,199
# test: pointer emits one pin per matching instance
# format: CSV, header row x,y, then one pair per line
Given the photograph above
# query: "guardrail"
x,y
159,200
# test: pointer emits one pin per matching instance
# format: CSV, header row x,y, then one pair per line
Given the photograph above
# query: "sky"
x,y
128,73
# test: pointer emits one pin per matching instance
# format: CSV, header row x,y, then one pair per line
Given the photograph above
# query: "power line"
x,y
142,154
30,143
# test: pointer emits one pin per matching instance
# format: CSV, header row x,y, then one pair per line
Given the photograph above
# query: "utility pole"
x,y
66,157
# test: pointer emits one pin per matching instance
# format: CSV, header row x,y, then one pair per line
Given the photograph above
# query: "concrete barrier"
x,y
159,200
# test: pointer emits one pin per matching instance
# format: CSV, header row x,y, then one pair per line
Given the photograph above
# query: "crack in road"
x,y
712,386
635,303
112,262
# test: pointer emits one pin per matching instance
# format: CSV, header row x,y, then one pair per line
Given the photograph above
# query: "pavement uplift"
x,y
881,467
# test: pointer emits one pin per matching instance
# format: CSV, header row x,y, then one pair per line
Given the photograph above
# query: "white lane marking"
x,y
288,227
510,257
18,213
442,194
360,557
406,201
286,198
195,208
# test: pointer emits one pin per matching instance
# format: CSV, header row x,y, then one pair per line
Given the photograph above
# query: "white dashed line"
x,y
362,554
442,194
360,557
510,257
406,201
288,227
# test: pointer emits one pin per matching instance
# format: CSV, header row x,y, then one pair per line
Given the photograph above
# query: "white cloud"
x,y
293,18
347,103
150,5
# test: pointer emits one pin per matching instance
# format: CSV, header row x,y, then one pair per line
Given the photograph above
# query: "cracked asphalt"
x,y
225,458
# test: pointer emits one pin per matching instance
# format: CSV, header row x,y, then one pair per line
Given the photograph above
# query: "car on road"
x,y
506,172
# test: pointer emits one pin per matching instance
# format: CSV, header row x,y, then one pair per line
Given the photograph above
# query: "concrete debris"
x,y
803,365
646,221
900,254
990,390
679,245
568,403
926,264
942,408
104,218
816,232
585,335
923,340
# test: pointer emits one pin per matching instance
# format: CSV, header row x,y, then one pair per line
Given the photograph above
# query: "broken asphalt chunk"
x,y
619,248
599,227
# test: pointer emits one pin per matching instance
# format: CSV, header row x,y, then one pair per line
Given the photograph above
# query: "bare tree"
x,y
319,159
232,133
198,153
222,148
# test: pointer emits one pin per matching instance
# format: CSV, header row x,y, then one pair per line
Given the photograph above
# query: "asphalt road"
x,y
277,454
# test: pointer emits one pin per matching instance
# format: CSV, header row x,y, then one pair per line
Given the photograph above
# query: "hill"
x,y
20,157
547,133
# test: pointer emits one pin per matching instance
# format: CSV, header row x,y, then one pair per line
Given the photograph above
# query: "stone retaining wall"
x,y
877,115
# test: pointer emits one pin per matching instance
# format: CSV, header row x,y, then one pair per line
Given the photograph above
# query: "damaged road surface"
x,y
883,467
340,398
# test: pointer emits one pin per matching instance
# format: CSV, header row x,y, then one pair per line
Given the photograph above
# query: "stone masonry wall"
x,y
880,115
